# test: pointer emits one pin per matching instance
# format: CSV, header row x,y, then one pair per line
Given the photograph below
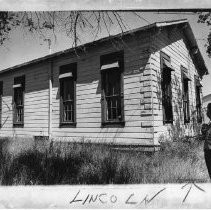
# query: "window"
x,y
198,99
1,94
67,79
185,94
18,105
166,69
112,99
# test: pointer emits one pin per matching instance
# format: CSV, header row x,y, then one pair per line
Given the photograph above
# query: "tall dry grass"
x,y
25,162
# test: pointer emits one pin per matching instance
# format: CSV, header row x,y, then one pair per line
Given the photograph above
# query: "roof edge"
x,y
69,50
191,37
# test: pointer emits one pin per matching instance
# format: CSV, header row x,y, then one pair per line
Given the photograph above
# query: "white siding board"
x,y
136,59
179,56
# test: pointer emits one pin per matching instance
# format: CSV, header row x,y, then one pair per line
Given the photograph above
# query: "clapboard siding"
x,y
175,46
35,102
88,96
142,91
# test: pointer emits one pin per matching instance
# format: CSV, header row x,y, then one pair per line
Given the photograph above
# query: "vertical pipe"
x,y
50,99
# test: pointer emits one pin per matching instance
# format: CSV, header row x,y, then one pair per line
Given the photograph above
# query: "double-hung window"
x,y
185,93
198,99
1,94
18,99
67,80
166,88
112,98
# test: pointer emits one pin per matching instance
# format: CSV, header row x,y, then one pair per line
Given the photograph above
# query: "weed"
x,y
86,163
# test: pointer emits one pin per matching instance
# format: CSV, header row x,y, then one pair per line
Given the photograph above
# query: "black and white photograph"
x,y
105,104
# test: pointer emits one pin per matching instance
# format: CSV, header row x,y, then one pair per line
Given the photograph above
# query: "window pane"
x,y
113,105
18,96
112,101
167,95
198,99
67,93
186,100
18,100
68,111
68,89
198,104
112,83
19,114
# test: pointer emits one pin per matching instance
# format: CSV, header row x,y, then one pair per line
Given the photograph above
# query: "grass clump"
x,y
85,163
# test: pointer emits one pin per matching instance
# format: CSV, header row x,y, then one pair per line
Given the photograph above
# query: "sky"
x,y
23,47
100,4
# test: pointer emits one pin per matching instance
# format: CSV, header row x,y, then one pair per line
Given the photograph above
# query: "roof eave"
x,y
202,68
187,30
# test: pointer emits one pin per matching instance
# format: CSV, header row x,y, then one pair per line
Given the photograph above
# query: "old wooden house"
x,y
127,89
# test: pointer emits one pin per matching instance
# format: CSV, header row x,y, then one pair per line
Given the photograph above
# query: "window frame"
x,y
18,80
1,102
198,95
67,68
185,82
164,68
104,60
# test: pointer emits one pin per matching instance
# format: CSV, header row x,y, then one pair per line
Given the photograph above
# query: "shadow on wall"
x,y
37,74
89,72
178,129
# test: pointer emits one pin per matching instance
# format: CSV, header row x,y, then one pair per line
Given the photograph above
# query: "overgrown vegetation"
x,y
29,163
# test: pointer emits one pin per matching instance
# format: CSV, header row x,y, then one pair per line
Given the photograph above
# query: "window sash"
x,y
166,96
112,97
185,93
19,114
186,108
198,100
18,100
68,111
113,108
166,88
186,111
67,100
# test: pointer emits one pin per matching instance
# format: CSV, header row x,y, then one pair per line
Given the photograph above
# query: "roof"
x,y
187,30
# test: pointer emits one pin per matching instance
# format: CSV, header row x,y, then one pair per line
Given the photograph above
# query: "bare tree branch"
x,y
73,23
